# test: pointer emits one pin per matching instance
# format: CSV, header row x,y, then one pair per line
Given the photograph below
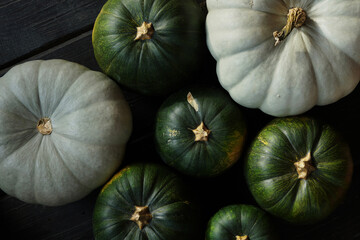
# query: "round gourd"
x,y
152,47
145,202
240,222
63,131
200,131
298,169
286,56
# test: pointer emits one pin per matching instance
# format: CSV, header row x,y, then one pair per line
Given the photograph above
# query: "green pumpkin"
x,y
200,131
240,222
151,46
298,169
145,202
63,131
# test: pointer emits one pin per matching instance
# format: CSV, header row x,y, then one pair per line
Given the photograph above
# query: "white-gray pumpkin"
x,y
316,63
63,131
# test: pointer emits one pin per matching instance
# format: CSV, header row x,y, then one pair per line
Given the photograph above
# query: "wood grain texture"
x,y
30,30
29,27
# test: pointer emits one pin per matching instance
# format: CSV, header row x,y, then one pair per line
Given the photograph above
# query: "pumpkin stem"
x,y
245,237
201,132
191,100
304,167
141,216
44,126
144,32
295,18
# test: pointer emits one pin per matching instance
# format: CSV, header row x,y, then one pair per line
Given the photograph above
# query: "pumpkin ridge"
x,y
272,156
216,115
160,49
159,191
234,85
285,136
35,195
130,190
138,62
252,9
258,219
168,204
277,177
65,164
247,49
65,93
127,234
18,100
82,141
159,11
119,192
116,55
329,61
186,149
17,116
113,15
124,7
32,136
38,88
155,231
226,229
142,202
313,73
296,183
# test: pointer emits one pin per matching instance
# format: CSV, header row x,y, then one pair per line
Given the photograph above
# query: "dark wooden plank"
x,y
31,26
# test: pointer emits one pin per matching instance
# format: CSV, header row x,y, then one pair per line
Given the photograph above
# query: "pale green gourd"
x,y
63,160
316,64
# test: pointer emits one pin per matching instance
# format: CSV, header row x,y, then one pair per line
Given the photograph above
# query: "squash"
x,y
152,47
240,222
284,57
63,131
145,201
200,131
298,169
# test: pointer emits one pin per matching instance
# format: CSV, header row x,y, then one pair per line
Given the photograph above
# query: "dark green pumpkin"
x,y
176,142
124,206
240,222
298,169
153,66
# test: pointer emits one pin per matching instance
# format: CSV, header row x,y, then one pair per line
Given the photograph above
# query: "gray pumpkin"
x,y
63,131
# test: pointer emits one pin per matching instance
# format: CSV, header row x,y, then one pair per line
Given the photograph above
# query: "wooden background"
x,y
47,29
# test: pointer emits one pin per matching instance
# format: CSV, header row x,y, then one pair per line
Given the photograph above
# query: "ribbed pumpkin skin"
x,y
91,124
173,216
272,177
240,220
176,142
156,66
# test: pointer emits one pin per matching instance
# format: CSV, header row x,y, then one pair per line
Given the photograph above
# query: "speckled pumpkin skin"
x,y
240,220
175,139
155,66
273,179
174,216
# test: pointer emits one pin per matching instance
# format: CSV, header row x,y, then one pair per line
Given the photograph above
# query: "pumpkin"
x,y
200,131
298,169
145,201
152,47
284,57
63,131
240,222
